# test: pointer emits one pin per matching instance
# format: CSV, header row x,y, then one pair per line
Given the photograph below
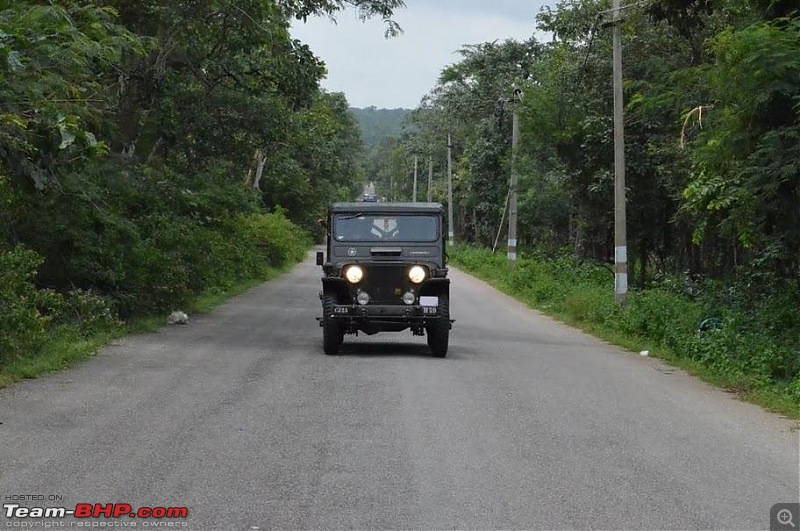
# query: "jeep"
x,y
385,272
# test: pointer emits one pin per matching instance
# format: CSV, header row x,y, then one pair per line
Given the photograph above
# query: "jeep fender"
x,y
336,286
435,286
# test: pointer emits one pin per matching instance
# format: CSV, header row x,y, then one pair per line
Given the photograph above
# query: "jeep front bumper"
x,y
384,312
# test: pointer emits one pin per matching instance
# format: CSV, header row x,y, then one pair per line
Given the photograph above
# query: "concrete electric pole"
x,y
449,191
415,179
430,178
620,233
512,189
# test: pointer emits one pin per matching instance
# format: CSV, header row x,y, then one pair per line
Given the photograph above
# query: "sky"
x,y
398,72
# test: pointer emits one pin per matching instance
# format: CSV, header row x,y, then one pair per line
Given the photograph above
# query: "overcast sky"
x,y
398,72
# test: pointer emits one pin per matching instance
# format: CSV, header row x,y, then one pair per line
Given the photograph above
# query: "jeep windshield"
x,y
385,228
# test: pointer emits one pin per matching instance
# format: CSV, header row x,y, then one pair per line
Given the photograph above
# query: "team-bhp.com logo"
x,y
94,510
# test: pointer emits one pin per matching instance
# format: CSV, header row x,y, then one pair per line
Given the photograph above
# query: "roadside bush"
x,y
794,388
207,257
180,257
478,260
25,311
29,314
268,240
88,312
590,305
289,243
660,316
750,359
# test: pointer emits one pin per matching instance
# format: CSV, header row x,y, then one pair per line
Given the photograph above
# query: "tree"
x,y
745,161
55,91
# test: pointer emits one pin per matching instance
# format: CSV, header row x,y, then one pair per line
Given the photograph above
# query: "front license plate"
x,y
427,300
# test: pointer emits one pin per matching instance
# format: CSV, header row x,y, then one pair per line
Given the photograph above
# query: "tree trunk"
x,y
259,170
253,176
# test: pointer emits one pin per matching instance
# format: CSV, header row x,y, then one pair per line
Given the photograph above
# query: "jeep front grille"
x,y
385,283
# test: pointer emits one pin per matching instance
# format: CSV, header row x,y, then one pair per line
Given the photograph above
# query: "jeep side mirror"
x,y
320,258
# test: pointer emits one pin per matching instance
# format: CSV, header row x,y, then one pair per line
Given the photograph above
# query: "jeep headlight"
x,y
354,274
416,274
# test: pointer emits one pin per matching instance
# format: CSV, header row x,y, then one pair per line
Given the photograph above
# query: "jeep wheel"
x,y
439,330
332,332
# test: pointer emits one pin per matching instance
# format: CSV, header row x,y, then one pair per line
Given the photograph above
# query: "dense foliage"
x,y
150,150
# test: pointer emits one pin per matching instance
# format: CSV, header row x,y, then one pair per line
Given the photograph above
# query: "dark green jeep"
x,y
385,272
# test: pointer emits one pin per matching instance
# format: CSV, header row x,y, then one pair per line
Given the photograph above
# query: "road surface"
x,y
527,424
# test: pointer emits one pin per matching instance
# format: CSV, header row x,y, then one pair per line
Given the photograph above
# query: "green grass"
x,y
739,358
66,346
63,349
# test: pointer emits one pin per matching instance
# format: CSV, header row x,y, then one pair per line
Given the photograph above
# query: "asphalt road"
x,y
527,424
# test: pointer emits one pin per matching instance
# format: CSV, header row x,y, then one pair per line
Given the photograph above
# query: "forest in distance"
x,y
150,153
377,125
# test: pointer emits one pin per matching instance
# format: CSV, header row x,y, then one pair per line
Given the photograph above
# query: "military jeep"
x,y
385,272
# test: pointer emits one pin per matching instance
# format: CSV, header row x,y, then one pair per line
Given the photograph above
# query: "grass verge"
x,y
738,355
67,346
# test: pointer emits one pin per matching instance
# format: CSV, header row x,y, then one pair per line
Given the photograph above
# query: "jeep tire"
x,y
332,332
438,332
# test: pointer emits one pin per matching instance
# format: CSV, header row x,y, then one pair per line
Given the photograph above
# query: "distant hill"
x,y
377,124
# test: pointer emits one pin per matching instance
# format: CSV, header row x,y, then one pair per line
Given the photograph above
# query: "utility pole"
x,y
620,234
449,192
512,189
430,177
415,180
